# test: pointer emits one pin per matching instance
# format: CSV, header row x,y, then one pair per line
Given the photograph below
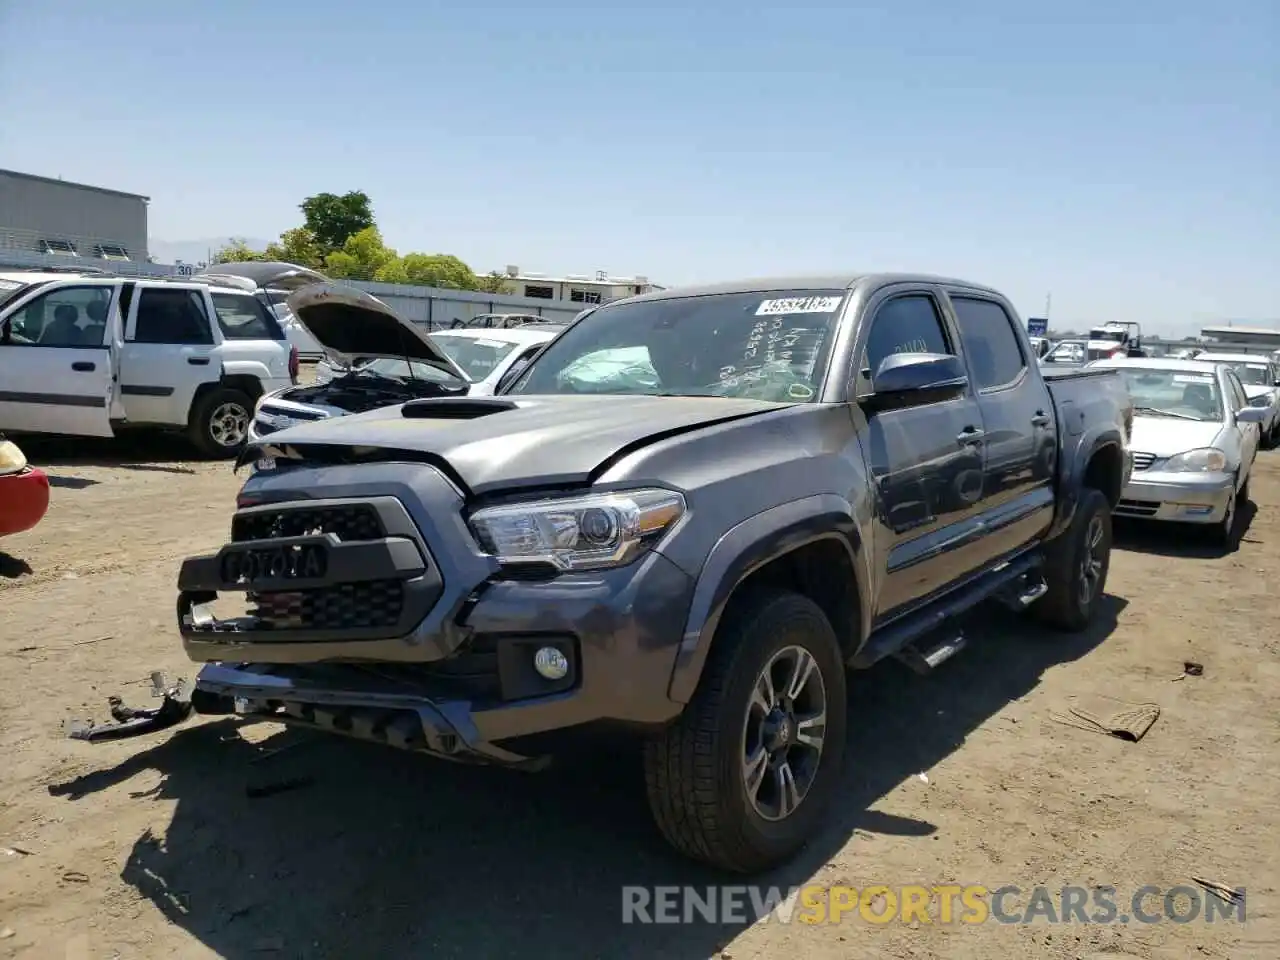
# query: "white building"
x,y
575,288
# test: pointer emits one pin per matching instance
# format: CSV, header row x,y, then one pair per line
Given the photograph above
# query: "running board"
x,y
1009,577
924,660
1024,592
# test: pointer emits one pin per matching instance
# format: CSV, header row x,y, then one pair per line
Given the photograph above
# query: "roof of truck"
x,y
1224,356
837,281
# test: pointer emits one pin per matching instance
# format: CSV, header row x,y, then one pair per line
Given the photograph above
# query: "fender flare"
x,y
747,547
1090,443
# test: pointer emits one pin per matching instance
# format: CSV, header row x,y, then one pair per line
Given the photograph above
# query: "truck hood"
x,y
1165,436
349,323
263,275
502,443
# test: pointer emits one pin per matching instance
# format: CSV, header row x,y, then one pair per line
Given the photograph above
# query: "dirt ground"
x,y
151,847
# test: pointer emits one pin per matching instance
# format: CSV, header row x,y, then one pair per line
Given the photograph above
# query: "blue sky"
x,y
1123,156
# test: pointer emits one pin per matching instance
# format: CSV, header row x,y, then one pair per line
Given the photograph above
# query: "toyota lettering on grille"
x,y
249,566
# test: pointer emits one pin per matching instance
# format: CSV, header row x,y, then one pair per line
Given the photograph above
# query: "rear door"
x,y
1021,440
168,352
56,361
925,460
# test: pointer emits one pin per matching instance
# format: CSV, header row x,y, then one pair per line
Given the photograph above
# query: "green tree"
x,y
298,246
362,256
237,251
493,282
438,270
333,218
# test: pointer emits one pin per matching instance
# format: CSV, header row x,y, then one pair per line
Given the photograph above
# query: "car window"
x,y
476,356
244,317
172,316
62,317
908,324
990,343
769,345
1174,394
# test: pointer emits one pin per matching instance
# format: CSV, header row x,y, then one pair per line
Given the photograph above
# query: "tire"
x,y
1076,567
695,770
219,424
1223,533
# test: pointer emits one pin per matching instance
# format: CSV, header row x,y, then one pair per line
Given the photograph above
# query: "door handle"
x,y
198,361
84,366
970,437
1041,419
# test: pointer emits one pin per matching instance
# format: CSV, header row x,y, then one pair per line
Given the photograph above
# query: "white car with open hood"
x,y
1194,441
402,364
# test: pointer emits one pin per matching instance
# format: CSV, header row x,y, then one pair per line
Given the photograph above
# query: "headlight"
x,y
582,533
1203,460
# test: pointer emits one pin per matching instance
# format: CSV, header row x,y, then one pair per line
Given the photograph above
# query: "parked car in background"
x,y
24,491
89,353
1260,376
823,474
1194,440
1115,339
1066,353
1040,346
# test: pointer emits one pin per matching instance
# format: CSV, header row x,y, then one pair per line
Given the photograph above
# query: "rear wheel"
x,y
219,424
1076,566
742,779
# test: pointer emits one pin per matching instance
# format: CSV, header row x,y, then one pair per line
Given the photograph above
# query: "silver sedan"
x,y
1194,440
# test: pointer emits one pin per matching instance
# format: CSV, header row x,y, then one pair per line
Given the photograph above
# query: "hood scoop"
x,y
455,408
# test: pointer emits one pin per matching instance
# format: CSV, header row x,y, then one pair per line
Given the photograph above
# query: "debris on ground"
x,y
1103,714
1221,890
130,722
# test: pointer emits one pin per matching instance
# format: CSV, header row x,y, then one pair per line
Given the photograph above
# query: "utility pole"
x,y
1048,300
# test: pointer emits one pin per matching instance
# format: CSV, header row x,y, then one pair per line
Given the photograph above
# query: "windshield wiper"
x,y
1166,413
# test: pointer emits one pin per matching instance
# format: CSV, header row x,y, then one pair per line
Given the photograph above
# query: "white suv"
x,y
85,354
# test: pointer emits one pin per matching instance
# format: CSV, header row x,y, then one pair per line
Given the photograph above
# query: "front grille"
x,y
349,523
345,606
1143,461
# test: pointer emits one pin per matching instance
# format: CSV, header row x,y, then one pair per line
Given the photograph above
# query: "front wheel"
x,y
1076,566
219,424
742,779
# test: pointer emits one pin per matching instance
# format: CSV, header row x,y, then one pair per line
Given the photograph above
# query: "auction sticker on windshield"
x,y
792,305
1192,378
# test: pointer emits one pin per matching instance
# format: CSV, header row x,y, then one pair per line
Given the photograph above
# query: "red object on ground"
x,y
24,500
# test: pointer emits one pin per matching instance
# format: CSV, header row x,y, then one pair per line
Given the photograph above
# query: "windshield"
x,y
770,346
1168,393
477,356
1103,333
405,370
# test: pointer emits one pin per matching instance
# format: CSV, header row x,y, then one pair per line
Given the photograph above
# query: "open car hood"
x,y
349,323
263,275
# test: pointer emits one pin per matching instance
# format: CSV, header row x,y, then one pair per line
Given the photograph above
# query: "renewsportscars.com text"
x,y
941,904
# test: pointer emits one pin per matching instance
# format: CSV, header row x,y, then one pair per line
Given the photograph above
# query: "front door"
x,y
56,363
1021,429
168,352
925,460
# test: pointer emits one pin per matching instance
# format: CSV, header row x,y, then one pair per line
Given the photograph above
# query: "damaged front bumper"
x,y
338,703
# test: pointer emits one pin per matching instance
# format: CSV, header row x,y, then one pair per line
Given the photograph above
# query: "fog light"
x,y
551,664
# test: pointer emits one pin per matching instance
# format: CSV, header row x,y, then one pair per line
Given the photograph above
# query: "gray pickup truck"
x,y
683,520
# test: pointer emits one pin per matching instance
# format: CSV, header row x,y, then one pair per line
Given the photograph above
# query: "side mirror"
x,y
1251,415
904,379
